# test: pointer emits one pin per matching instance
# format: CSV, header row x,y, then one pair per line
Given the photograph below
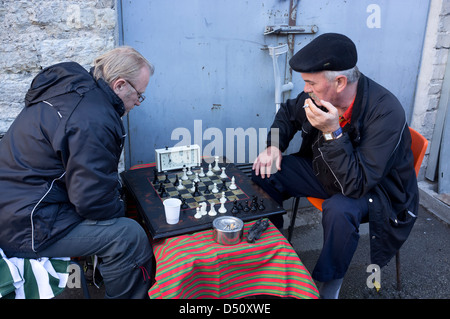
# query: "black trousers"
x,y
341,216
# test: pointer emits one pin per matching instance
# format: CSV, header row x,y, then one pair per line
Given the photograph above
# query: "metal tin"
x,y
228,230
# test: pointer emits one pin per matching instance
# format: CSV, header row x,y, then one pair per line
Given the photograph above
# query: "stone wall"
x,y
38,33
35,34
431,76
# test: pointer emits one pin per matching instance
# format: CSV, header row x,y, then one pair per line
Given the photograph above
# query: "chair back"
x,y
419,146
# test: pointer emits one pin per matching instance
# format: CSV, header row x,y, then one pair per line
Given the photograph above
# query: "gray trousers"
x,y
123,249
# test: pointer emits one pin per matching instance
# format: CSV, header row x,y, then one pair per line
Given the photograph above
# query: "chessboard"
x,y
194,186
147,188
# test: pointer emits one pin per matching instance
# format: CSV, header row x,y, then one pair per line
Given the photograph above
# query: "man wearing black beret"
x,y
355,153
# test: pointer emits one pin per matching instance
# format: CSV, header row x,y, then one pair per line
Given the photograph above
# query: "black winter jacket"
x,y
59,159
373,159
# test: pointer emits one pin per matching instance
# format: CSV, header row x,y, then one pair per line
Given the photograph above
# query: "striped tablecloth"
x,y
194,266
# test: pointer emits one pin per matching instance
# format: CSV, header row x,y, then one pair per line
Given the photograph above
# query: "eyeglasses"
x,y
140,96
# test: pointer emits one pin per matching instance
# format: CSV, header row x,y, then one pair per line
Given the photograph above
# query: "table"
x,y
194,266
138,183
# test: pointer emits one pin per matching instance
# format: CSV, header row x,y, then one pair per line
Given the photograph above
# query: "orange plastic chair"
x,y
419,145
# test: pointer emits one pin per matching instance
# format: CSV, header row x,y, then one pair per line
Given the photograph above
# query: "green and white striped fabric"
x,y
41,278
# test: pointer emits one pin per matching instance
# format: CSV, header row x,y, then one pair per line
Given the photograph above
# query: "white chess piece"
x,y
196,179
198,214
223,175
222,201
215,190
189,172
203,208
180,186
193,187
233,184
210,172
184,177
212,212
216,166
201,174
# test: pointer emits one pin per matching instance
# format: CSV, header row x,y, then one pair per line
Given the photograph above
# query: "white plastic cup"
x,y
172,210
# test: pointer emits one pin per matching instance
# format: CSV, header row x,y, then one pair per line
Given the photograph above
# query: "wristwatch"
x,y
329,136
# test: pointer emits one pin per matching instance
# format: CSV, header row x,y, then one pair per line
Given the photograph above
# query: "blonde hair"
x,y
122,62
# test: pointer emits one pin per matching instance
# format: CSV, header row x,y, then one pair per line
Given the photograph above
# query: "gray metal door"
x,y
216,67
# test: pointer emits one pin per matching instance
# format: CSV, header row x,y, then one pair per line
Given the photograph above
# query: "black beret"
x,y
329,51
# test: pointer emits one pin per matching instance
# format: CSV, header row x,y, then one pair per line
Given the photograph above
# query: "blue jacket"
x,y
59,159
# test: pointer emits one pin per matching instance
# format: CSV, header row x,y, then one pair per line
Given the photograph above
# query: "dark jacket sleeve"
x,y
287,122
91,170
359,168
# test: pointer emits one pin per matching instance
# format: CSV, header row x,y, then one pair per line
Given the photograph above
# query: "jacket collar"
x,y
113,98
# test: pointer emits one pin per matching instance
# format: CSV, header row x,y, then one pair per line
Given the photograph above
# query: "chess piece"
x,y
223,174
155,176
212,212
192,189
177,181
189,172
216,165
215,190
222,201
254,206
201,174
210,172
180,186
184,205
196,191
261,205
184,177
203,208
222,208
235,209
196,179
246,208
167,180
163,192
224,186
207,191
197,213
233,184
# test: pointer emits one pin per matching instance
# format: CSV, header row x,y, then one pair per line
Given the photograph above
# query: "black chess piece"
x,y
184,205
167,180
177,181
235,209
246,208
163,192
261,205
155,176
207,191
224,186
254,206
196,191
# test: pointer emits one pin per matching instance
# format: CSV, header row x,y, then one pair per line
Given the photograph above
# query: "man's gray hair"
x,y
122,62
352,74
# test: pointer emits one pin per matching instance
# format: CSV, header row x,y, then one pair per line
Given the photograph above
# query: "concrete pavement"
x,y
425,258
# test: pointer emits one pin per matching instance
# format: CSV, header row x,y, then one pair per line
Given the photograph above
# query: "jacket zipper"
x,y
35,206
340,185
